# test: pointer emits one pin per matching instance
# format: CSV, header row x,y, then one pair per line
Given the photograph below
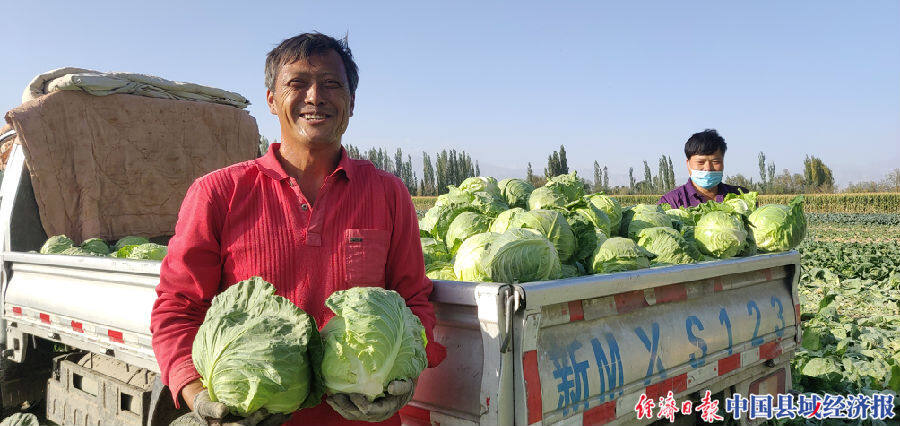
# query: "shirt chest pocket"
x,y
365,255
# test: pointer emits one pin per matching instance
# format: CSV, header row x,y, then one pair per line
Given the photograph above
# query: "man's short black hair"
x,y
305,45
704,143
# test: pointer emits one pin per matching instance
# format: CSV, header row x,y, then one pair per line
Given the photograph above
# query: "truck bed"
x,y
92,303
579,350
582,350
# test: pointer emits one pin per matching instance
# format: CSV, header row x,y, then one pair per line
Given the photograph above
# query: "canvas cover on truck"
x,y
152,150
109,83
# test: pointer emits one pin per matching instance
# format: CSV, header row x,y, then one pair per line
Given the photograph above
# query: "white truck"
x,y
76,335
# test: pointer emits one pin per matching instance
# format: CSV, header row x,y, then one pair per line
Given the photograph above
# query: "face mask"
x,y
706,179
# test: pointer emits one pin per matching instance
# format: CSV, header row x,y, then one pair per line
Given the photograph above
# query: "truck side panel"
x,y
591,359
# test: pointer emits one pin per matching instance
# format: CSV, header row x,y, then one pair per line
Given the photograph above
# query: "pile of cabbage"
x,y
508,231
257,350
137,248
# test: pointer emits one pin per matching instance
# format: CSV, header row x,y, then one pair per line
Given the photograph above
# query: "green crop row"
x,y
842,203
816,203
865,219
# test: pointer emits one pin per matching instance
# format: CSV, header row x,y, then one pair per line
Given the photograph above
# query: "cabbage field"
x,y
850,304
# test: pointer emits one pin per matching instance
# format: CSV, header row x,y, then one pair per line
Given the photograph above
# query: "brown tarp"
x,y
120,165
6,146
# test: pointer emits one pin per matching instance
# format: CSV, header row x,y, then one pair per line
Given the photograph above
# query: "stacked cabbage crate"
x,y
508,231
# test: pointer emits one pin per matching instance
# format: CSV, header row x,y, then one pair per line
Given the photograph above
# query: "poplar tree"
x,y
563,162
529,174
428,184
763,182
631,181
605,179
648,177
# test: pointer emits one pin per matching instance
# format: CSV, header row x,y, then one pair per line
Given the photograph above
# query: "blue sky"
x,y
617,82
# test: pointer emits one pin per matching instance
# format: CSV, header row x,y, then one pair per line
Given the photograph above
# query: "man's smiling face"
x,y
312,100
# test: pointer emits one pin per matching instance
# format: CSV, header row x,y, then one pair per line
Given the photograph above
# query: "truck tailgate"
x,y
587,348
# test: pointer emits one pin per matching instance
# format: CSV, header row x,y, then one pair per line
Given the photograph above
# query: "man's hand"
x,y
356,406
206,412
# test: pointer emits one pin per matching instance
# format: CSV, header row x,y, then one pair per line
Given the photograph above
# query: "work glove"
x,y
208,412
355,406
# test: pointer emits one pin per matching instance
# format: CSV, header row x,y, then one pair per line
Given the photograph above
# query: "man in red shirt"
x,y
305,218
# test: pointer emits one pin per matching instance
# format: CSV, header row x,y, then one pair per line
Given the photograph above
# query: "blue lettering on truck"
x,y
572,375
653,348
691,322
755,340
723,319
779,331
611,367
573,370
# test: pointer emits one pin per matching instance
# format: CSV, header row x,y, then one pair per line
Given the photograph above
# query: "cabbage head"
x,y
701,209
596,216
440,271
619,254
148,251
501,223
129,241
720,234
628,214
553,226
668,245
521,255
777,227
467,265
57,244
571,270
78,251
546,197
481,184
21,419
600,237
258,350
516,192
611,207
373,339
434,251
743,203
95,245
454,195
488,204
582,224
680,218
647,219
438,218
569,185
464,226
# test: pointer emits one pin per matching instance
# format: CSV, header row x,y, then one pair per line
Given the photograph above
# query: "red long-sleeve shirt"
x,y
251,219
